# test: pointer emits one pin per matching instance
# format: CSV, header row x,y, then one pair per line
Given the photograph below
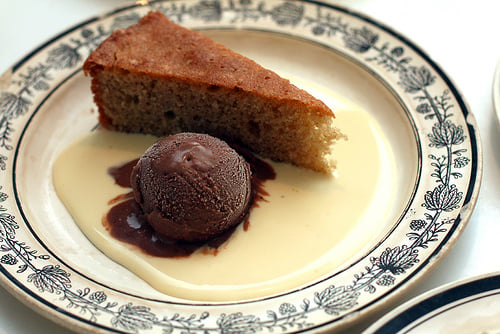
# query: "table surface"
x,y
460,35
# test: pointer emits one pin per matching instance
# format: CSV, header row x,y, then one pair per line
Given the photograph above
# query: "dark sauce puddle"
x,y
123,222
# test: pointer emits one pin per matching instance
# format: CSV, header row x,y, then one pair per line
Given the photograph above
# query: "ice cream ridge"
x,y
192,187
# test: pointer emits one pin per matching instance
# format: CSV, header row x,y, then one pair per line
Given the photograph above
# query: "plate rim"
x,y
496,92
472,190
431,301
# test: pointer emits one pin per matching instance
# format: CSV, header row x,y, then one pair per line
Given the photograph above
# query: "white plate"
x,y
467,306
44,104
496,92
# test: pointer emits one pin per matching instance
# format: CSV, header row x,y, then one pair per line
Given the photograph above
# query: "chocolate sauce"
x,y
124,220
121,174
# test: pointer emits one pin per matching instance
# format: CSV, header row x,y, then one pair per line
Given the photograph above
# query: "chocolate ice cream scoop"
x,y
192,187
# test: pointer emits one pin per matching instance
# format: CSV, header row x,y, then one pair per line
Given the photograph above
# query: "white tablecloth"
x,y
460,35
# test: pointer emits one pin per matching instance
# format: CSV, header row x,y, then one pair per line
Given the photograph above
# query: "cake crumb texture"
x,y
159,78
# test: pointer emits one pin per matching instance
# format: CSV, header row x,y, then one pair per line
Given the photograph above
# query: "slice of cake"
x,y
159,78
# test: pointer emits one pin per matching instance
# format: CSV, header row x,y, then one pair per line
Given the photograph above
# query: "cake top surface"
x,y
156,46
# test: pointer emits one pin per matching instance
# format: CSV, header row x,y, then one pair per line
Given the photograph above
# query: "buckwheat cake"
x,y
159,78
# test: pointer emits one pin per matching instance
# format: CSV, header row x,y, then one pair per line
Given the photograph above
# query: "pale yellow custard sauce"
x,y
310,226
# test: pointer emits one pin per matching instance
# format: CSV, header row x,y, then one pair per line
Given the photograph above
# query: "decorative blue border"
x,y
413,315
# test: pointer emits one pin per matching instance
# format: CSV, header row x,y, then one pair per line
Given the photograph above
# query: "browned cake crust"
x,y
160,78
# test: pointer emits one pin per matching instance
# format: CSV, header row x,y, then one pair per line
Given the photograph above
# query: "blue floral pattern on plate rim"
x,y
449,156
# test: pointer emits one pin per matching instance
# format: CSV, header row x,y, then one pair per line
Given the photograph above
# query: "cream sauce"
x,y
311,226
